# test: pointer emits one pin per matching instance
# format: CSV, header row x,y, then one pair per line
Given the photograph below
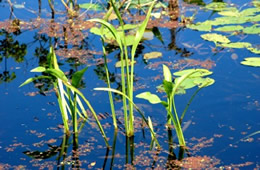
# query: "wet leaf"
x,y
249,12
152,55
252,61
152,98
229,28
91,6
230,13
215,38
118,63
236,45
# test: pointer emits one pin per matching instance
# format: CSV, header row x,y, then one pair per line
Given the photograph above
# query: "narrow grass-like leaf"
x,y
29,80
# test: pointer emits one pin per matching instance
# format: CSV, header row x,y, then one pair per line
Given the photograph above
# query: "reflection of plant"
x,y
188,79
10,48
69,101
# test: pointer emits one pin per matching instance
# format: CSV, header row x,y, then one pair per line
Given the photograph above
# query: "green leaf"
x,y
167,74
236,45
90,6
206,82
168,86
252,61
199,73
255,29
77,77
190,82
254,50
215,38
152,55
200,26
57,73
141,29
39,69
29,80
230,13
216,6
111,29
249,12
229,28
152,98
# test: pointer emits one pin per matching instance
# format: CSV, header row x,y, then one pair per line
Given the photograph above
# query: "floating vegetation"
x,y
230,22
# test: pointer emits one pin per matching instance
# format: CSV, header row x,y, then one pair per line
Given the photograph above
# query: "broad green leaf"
x,y
199,73
118,63
167,74
77,77
152,98
252,61
152,55
229,28
215,38
200,26
255,29
190,82
236,45
29,80
38,69
90,6
216,6
256,4
254,50
57,73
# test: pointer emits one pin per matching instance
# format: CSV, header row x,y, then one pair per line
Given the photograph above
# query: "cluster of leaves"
x,y
186,79
231,21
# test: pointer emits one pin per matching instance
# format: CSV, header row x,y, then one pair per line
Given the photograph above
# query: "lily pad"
x,y
200,26
229,28
236,45
254,50
215,38
152,55
216,6
252,61
255,29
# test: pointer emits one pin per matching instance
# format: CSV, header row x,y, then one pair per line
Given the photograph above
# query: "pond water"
x,y
221,127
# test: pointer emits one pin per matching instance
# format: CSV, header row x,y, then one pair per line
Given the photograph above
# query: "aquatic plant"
x,y
68,95
187,79
230,22
108,31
